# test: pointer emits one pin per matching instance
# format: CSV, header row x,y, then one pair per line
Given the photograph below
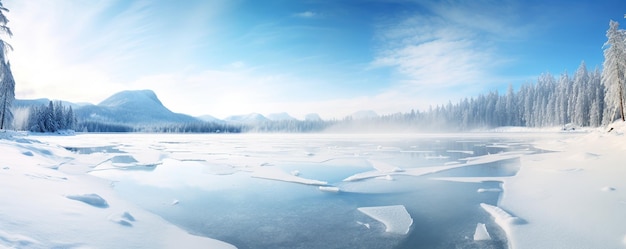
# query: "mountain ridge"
x,y
144,108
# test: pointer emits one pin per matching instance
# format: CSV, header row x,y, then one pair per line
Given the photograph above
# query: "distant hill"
x,y
127,110
27,103
252,118
365,114
209,118
283,116
312,117
140,107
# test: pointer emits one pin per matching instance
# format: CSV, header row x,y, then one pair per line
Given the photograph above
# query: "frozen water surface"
x,y
263,191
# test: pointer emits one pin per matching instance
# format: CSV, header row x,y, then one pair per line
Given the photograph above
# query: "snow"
x,y
572,198
91,199
395,218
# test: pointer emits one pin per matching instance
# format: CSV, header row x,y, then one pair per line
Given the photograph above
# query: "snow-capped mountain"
x,y
132,107
251,118
282,116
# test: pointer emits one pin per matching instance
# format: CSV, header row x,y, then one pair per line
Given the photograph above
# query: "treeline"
x,y
51,118
196,127
551,101
292,126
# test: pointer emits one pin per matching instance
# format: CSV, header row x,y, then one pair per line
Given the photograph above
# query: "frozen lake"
x,y
305,190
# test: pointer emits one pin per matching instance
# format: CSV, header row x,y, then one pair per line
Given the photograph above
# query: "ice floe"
x,y
481,232
331,189
275,173
395,218
483,190
502,218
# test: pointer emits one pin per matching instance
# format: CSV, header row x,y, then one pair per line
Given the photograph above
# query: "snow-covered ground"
x,y
572,197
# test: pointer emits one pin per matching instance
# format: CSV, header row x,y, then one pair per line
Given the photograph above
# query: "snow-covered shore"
x,y
42,207
574,197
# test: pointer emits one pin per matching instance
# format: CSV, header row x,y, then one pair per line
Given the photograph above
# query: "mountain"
x,y
365,114
283,116
140,107
312,117
252,118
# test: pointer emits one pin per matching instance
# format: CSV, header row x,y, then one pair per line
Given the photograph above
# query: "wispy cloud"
x,y
452,44
306,14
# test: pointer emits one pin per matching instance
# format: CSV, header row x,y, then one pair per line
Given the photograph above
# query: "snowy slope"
x,y
132,107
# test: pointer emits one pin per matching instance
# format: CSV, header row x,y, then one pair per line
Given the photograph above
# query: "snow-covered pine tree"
x,y
7,83
59,115
49,120
581,97
614,72
70,119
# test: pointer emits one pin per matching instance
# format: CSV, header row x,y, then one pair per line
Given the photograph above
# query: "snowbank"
x,y
563,195
43,205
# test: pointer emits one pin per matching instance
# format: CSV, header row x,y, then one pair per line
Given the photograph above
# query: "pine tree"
x,y
49,120
7,83
614,71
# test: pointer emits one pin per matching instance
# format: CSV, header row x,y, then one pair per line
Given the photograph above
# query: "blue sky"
x,y
332,57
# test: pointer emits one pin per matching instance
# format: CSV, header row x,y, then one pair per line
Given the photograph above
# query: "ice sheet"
x,y
396,219
562,195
